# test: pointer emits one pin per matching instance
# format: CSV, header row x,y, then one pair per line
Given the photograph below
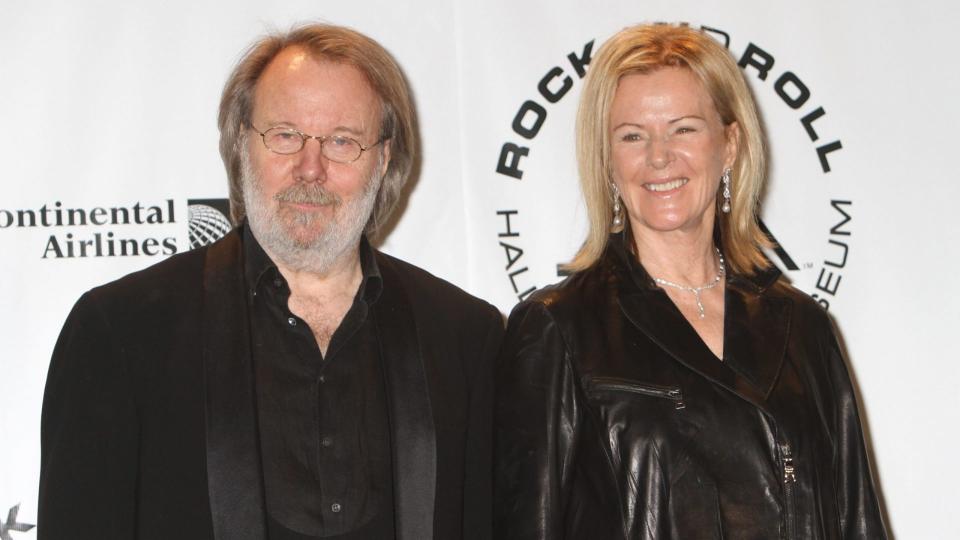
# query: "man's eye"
x,y
286,135
340,141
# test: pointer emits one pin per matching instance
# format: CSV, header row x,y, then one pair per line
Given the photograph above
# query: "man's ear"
x,y
387,147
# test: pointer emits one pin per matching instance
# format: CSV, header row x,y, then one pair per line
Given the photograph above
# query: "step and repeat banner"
x,y
109,163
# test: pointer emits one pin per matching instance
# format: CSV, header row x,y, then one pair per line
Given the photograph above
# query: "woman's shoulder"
x,y
571,296
802,301
809,317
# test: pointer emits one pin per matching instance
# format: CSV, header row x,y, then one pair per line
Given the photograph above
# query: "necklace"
x,y
722,271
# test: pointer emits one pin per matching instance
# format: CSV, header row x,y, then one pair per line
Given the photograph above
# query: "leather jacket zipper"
x,y
789,479
624,385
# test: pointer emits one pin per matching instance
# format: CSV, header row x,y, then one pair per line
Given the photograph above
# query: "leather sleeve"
x,y
537,419
859,508
88,434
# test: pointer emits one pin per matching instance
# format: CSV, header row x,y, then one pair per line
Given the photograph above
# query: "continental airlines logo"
x,y
806,211
207,221
135,230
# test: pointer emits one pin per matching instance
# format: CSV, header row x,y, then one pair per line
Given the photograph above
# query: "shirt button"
x,y
335,507
291,321
323,378
277,283
327,442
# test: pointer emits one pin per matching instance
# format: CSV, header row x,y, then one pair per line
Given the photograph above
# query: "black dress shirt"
x,y
324,426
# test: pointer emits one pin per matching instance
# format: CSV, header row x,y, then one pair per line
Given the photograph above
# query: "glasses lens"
x,y
341,149
283,140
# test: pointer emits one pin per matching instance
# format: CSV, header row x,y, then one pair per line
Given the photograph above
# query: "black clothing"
x,y
379,527
149,428
614,419
324,432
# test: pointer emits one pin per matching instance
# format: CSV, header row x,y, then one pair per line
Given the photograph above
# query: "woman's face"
x,y
669,148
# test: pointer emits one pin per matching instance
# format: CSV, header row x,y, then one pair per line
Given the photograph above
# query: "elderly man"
x,y
289,381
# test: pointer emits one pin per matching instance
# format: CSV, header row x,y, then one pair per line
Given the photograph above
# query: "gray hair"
x,y
337,44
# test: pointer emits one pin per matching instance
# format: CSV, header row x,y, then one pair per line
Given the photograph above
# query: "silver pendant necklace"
x,y
722,271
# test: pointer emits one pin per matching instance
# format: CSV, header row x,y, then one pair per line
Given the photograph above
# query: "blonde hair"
x,y
644,49
336,44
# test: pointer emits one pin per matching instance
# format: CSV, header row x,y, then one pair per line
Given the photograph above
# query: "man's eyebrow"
x,y
273,124
348,129
339,129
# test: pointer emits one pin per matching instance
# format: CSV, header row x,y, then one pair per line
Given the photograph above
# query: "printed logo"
x,y
134,230
97,231
207,221
11,524
800,209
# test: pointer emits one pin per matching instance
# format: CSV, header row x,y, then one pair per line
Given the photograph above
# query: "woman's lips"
x,y
663,187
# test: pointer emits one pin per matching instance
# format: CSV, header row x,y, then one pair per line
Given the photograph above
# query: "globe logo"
x,y
206,225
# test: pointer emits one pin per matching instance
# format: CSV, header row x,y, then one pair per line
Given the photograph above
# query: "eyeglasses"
x,y
284,140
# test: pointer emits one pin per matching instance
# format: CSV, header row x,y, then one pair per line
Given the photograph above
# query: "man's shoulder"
x,y
171,274
425,289
175,281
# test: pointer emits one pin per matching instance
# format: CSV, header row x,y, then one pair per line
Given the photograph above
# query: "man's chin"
x,y
305,235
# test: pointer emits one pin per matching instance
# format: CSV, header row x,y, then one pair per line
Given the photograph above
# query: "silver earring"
x,y
726,191
617,210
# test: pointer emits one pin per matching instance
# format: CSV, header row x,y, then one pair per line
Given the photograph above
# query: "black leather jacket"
x,y
614,420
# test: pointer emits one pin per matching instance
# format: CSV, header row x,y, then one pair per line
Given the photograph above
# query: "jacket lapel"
x,y
413,435
756,328
234,474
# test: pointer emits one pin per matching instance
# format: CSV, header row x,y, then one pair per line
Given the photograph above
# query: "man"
x,y
289,381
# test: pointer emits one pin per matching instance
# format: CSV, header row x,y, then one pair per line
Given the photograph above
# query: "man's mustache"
x,y
308,193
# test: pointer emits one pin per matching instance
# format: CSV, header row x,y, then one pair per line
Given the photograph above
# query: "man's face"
x,y
303,208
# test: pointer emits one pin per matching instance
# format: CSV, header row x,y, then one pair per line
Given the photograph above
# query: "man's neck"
x,y
342,278
323,299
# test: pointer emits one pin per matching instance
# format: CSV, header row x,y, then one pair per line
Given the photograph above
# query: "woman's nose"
x,y
659,153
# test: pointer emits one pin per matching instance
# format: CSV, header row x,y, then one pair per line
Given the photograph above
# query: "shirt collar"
x,y
258,267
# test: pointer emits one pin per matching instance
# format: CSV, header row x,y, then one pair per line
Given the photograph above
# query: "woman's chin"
x,y
667,223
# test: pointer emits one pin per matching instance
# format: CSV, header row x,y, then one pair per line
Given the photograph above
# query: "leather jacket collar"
x,y
756,326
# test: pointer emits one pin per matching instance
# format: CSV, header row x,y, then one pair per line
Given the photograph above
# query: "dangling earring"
x,y
617,210
726,191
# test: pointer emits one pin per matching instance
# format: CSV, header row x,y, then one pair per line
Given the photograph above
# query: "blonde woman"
x,y
675,386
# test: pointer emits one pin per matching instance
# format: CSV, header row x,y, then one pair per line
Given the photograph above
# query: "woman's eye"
x,y
630,137
685,129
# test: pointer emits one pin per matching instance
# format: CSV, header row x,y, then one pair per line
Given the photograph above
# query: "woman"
x,y
675,386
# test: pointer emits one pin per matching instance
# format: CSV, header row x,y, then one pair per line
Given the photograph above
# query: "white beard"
x,y
300,240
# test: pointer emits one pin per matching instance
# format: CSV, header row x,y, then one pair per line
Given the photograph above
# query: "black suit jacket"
x,y
149,422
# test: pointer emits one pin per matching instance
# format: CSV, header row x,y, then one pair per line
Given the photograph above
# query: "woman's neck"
x,y
686,258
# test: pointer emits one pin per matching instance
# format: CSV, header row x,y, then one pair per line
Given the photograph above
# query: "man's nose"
x,y
311,163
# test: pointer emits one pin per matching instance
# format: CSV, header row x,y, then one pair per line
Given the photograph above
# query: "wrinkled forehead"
x,y
303,88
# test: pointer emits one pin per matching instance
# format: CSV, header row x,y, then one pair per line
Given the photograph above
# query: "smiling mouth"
x,y
666,186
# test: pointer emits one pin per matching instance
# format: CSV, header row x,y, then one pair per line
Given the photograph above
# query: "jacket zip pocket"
x,y
672,393
789,479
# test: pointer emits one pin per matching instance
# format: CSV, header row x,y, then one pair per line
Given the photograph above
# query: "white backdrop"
x,y
110,105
